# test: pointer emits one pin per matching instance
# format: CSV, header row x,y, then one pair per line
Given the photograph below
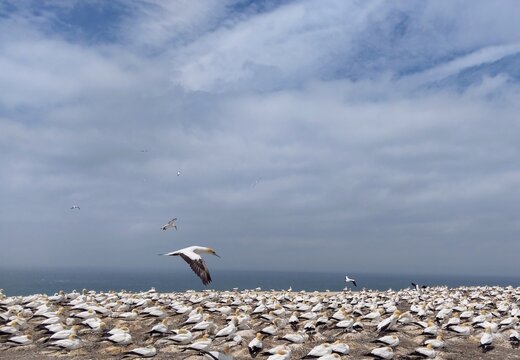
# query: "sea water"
x,y
49,281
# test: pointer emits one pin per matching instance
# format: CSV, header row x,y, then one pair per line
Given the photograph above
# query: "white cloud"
x,y
310,98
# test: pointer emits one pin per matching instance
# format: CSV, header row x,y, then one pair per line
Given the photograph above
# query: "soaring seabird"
x,y
74,207
196,262
171,224
347,280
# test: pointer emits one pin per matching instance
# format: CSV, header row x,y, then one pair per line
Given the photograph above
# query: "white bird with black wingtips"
x,y
170,224
349,280
196,262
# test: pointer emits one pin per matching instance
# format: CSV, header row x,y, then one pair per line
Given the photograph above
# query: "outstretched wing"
x,y
199,267
354,282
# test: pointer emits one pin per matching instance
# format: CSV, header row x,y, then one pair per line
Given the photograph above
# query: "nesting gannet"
x,y
201,344
71,343
182,336
159,329
436,343
295,338
319,350
255,345
20,340
145,352
218,355
228,330
425,352
388,340
197,264
281,354
123,338
340,348
171,224
347,280
382,353
389,322
75,207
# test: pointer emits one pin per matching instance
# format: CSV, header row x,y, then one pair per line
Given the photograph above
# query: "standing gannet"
x,y
486,340
347,280
197,264
255,345
171,224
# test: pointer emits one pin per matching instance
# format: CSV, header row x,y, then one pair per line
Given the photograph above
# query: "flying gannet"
x,y
196,262
75,207
347,280
171,224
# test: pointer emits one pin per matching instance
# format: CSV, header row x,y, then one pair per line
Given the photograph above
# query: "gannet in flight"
x,y
178,173
196,262
347,280
74,207
171,224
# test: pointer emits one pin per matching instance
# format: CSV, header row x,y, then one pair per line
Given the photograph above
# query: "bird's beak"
x,y
216,254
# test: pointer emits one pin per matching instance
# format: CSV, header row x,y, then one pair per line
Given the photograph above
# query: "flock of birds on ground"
x,y
275,325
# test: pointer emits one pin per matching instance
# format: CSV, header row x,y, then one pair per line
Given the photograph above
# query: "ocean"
x,y
49,281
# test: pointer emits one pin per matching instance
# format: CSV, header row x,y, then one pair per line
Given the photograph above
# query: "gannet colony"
x,y
429,323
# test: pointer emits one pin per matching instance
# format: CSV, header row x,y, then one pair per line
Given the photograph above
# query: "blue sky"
x,y
385,134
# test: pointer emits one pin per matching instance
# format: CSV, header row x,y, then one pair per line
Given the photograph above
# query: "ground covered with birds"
x,y
436,322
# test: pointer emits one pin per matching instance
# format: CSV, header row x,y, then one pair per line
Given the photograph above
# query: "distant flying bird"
x,y
347,280
171,224
257,181
178,173
144,150
74,207
196,262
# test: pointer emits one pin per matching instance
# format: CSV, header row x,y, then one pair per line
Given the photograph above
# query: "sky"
x,y
316,135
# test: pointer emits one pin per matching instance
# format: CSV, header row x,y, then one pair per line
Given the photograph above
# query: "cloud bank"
x,y
360,136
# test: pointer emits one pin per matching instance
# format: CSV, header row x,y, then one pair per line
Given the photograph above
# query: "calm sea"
x,y
49,281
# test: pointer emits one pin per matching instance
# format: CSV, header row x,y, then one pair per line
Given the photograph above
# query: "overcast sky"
x,y
355,136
